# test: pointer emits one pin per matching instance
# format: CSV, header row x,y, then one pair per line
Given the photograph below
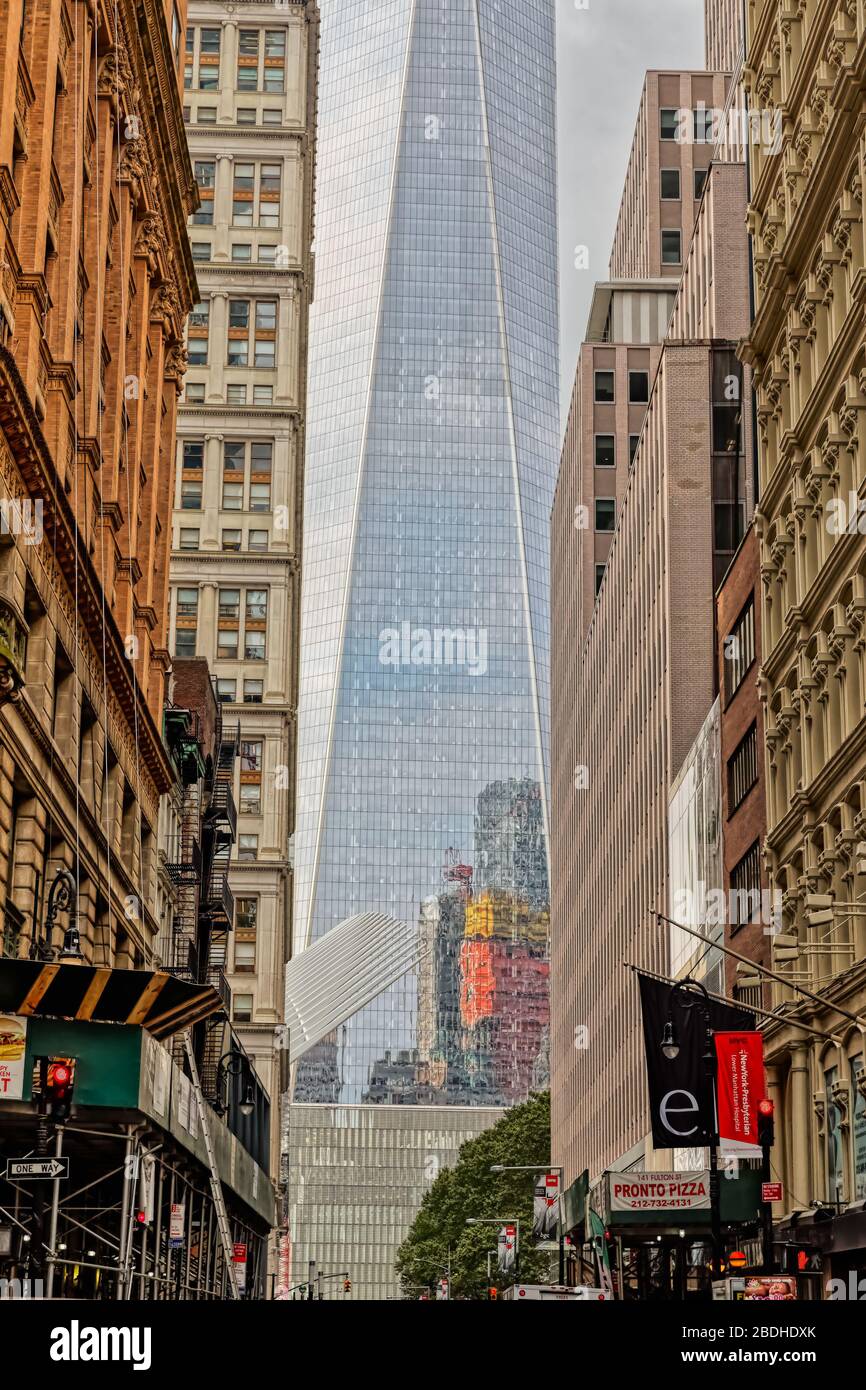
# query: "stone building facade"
x,y
96,279
807,350
249,105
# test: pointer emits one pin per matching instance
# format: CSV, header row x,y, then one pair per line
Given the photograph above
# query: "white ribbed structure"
x,y
342,971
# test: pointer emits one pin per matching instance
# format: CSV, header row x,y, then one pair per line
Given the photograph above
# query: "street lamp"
x,y
542,1168
691,994
63,897
234,1064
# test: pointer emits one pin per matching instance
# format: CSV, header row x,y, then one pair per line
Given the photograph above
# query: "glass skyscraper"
x,y
432,453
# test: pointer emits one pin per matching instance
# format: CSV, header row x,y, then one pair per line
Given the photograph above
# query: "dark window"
x,y
599,576
670,184
745,893
739,649
743,769
633,441
669,122
700,180
704,125
605,513
638,388
604,392
605,451
671,247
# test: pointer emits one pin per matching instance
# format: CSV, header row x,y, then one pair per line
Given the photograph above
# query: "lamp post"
x,y
234,1064
691,994
63,897
542,1168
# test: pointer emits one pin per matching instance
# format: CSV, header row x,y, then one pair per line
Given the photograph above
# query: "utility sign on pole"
x,y
37,1168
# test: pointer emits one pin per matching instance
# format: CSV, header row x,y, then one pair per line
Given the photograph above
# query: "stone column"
x,y
800,1125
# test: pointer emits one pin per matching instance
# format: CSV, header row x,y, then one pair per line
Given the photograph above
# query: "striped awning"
x,y
152,999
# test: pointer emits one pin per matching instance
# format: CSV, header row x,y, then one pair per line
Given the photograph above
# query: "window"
x,y
187,622
206,115
605,513
670,184
197,334
242,1004
231,540
261,60
202,62
267,255
236,394
599,576
226,689
257,540
205,175
253,692
261,457
242,251
671,242
605,451
246,115
633,441
739,649
251,755
229,603
704,124
256,195
245,957
189,538
263,395
257,604
262,314
246,914
272,115
190,496
201,250
250,799
745,885
669,123
193,392
227,641
638,388
700,176
248,848
254,646
604,389
743,769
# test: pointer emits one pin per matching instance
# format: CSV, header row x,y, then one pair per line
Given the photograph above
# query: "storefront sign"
x,y
13,1044
659,1191
239,1260
740,1085
771,1192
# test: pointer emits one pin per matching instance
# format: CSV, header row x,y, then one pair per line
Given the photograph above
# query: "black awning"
x,y
153,999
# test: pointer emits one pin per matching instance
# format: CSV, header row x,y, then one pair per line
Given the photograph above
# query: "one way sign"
x,y
37,1168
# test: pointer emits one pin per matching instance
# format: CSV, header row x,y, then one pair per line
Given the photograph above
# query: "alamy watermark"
x,y
736,126
21,516
461,647
715,907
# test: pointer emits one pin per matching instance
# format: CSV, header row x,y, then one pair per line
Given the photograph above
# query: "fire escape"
x,y
204,908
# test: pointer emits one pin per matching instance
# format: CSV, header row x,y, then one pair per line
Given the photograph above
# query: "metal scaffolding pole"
x,y
55,1207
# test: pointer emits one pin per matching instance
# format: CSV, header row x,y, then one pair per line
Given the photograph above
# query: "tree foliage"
x,y
469,1189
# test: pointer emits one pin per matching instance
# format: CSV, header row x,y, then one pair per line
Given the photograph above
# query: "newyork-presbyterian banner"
x,y
740,1085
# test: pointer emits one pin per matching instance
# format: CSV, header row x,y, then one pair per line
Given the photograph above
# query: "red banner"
x,y
740,1087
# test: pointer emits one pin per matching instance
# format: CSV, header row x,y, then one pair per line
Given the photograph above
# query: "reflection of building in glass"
x,y
432,446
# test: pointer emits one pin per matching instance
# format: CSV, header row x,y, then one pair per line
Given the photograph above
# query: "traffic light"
x,y
59,1084
766,1123
347,1286
492,1293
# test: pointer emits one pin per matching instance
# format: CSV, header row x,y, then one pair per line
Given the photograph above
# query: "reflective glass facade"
x,y
432,452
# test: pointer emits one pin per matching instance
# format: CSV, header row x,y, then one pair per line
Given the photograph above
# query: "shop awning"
x,y
152,999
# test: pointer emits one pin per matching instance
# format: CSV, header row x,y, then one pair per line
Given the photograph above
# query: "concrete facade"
x,y
249,71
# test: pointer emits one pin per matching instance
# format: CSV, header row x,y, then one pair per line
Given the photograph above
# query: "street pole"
x,y
715,1190
311,1280
55,1209
126,1202
561,1232
766,1214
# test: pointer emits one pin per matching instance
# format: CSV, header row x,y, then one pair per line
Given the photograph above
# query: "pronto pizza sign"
x,y
659,1191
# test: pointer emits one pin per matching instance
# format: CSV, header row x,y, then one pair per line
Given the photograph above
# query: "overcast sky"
x,y
603,53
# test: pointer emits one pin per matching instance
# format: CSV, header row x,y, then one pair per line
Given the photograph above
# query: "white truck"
x,y
542,1292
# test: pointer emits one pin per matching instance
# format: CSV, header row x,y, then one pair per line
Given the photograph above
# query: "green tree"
x,y
470,1189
